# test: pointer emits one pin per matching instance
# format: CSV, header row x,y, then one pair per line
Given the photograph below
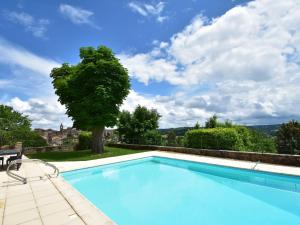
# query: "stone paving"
x,y
52,201
44,201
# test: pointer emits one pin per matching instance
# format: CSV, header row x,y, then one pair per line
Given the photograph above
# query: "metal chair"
x,y
12,158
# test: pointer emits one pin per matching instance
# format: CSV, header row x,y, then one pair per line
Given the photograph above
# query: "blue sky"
x,y
188,59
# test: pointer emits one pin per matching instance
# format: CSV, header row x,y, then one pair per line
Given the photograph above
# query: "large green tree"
x,y
92,91
132,127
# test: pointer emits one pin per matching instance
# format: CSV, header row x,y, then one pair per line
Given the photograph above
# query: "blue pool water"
x,y
165,191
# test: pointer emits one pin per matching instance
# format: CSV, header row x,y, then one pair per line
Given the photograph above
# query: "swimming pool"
x,y
165,191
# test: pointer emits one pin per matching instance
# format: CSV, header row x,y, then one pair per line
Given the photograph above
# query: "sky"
x,y
188,59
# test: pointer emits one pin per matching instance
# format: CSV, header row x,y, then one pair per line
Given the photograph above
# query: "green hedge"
x,y
235,138
214,138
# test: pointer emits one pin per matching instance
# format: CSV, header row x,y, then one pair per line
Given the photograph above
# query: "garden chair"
x,y
18,156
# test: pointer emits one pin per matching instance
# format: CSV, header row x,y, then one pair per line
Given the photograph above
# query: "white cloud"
x,y
244,66
77,15
250,54
44,113
37,27
173,113
149,10
16,56
27,75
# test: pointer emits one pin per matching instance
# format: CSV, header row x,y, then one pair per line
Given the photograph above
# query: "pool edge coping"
x,y
239,164
91,214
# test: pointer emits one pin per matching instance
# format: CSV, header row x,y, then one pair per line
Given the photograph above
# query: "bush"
x,y
84,140
214,138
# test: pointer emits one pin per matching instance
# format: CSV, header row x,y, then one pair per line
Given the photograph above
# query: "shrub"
x,y
84,140
214,138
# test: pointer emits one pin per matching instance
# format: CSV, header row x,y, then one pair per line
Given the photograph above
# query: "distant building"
x,y
55,138
67,135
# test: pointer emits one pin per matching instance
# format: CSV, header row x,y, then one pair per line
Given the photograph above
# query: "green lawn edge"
x,y
82,155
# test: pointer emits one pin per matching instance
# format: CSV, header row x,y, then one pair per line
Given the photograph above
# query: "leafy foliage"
x,y
262,142
212,122
84,141
32,139
288,138
11,120
92,90
233,138
132,127
197,126
15,127
214,138
152,137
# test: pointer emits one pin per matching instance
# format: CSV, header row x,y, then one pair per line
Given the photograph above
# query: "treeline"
x,y
140,127
265,129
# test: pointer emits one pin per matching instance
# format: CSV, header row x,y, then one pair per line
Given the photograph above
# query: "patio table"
x,y
4,152
9,152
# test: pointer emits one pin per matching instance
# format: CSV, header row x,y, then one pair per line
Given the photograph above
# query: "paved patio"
x,y
52,201
44,201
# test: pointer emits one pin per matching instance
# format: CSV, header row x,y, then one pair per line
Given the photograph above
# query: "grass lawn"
x,y
81,155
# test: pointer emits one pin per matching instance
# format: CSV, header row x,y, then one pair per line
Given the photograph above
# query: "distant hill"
x,y
180,131
267,129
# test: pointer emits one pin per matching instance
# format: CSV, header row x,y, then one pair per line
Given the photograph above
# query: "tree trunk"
x,y
97,143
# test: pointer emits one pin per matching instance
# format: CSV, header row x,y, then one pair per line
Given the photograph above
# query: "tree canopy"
x,y
92,91
197,126
132,127
15,126
288,138
11,120
212,122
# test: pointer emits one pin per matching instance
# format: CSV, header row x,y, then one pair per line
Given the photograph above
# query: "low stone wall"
x,y
31,150
282,159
